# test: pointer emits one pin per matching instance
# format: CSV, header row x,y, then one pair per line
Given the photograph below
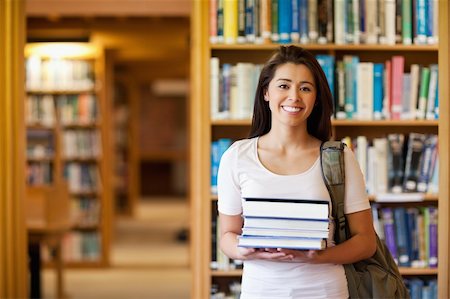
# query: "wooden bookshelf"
x,y
83,113
204,130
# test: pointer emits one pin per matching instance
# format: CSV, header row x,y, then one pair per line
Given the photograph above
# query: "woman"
x,y
292,111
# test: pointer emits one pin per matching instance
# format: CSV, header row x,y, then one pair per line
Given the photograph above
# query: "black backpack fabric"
x,y
377,276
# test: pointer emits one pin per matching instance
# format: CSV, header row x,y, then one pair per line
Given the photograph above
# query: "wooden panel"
x,y
199,151
13,239
444,150
58,8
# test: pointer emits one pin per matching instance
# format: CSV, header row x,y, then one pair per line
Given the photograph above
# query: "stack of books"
x,y
285,223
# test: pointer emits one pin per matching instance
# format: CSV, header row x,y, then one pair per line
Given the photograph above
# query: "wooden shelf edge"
x,y
347,47
403,271
226,273
418,271
342,123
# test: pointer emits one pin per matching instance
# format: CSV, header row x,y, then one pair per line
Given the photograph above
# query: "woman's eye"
x,y
283,86
305,88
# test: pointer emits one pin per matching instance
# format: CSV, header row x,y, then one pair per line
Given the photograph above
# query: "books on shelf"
x,y
363,90
284,223
410,234
398,163
324,21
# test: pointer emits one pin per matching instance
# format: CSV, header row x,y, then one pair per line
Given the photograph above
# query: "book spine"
x,y
398,63
389,232
433,235
423,92
285,20
401,236
413,160
378,70
274,16
213,21
303,22
407,22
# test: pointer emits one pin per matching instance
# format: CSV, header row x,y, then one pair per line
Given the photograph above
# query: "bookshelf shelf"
x,y
343,123
403,270
328,47
226,273
68,91
206,127
418,271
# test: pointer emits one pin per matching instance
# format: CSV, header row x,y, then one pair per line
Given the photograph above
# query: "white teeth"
x,y
291,109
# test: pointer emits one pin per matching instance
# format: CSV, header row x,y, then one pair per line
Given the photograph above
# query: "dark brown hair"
x,y
319,122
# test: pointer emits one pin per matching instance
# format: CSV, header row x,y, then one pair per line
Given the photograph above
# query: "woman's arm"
x,y
230,229
361,245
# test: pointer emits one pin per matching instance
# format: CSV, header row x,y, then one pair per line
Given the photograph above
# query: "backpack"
x,y
377,276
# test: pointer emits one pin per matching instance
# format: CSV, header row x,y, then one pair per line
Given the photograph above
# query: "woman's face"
x,y
291,94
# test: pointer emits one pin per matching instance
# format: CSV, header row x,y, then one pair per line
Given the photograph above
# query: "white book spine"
x,y
365,90
214,87
389,8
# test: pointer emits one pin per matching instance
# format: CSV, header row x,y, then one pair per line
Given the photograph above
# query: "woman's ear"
x,y
266,97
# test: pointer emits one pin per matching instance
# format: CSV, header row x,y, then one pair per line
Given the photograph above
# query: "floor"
x,y
148,260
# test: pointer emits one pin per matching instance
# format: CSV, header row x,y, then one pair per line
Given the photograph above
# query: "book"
x,y
286,208
298,233
279,242
282,223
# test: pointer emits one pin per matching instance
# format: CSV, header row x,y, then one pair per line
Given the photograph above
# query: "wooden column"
x,y
13,238
199,172
444,150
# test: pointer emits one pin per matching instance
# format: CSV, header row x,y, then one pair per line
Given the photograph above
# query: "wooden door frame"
x,y
13,236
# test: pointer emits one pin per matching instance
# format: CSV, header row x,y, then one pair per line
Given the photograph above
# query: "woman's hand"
x,y
302,256
273,254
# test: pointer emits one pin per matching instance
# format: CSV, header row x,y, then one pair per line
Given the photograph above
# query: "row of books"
x,y
71,109
409,233
39,173
85,211
82,177
398,163
81,144
56,74
362,90
40,144
366,90
420,288
77,247
324,21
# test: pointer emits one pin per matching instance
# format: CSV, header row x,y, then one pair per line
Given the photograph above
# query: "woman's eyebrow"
x,y
289,80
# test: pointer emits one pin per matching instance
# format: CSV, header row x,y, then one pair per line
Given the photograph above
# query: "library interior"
x,y
115,114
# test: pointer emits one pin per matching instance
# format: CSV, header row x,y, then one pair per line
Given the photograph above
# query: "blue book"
x,y
421,22
415,288
295,27
402,237
249,23
214,165
378,91
327,64
285,21
303,22
411,226
389,231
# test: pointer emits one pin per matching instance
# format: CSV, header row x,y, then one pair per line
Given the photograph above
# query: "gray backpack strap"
x,y
333,173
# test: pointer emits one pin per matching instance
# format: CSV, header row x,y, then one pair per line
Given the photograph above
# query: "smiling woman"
x,y
279,163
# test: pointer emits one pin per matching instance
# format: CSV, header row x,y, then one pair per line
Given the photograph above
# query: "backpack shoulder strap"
x,y
333,173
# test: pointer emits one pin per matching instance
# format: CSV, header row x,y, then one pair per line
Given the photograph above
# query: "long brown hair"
x,y
319,122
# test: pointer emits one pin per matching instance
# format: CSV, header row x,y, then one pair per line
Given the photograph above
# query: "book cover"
x,y
283,223
297,233
286,208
